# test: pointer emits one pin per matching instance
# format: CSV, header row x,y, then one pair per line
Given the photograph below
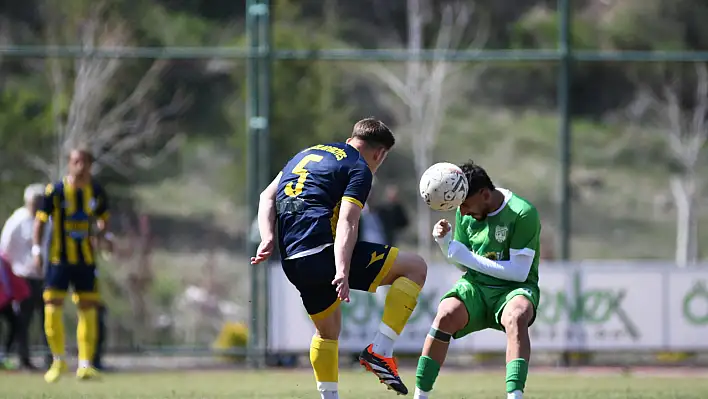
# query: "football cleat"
x,y
55,371
384,368
87,373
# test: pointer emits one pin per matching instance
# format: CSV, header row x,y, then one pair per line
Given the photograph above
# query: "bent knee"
x,y
327,333
329,327
451,316
414,268
517,318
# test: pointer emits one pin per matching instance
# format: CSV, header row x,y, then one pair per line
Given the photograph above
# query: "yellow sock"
x,y
54,329
400,302
86,334
324,356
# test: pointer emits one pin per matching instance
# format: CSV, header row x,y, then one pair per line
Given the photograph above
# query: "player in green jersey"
x,y
496,244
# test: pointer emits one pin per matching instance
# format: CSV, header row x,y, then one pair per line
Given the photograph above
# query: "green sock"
x,y
516,372
426,373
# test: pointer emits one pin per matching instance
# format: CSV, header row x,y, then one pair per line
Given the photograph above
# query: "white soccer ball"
x,y
443,186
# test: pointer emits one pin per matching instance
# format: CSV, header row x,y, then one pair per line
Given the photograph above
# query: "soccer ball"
x,y
443,186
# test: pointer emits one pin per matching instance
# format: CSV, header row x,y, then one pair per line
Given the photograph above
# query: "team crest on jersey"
x,y
500,233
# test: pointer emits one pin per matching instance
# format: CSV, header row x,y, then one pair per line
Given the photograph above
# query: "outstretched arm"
x,y
515,269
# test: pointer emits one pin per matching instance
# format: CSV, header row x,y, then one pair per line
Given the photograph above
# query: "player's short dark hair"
x,y
374,133
477,178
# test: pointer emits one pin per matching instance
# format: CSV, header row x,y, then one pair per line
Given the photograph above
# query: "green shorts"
x,y
485,304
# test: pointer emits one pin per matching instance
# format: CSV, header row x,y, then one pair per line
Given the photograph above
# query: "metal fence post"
x,y
564,143
564,129
264,88
253,126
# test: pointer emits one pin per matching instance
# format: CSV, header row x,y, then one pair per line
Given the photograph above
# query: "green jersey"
x,y
513,229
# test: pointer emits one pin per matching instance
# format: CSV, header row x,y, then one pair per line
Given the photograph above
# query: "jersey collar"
x,y
360,156
507,197
67,183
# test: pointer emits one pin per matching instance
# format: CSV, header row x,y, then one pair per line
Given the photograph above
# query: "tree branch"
x,y
40,165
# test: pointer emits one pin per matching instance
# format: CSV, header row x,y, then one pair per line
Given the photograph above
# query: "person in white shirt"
x,y
16,245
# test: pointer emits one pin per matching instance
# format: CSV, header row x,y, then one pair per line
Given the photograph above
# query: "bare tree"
x,y
116,131
685,130
425,89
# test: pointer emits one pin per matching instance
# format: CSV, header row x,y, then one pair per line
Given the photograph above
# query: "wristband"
x,y
36,250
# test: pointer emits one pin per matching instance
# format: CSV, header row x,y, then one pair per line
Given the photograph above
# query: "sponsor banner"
x,y
583,307
290,328
619,310
687,319
552,328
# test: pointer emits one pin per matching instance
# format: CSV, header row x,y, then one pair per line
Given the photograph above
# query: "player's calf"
x,y
86,333
324,353
451,317
407,265
516,317
406,277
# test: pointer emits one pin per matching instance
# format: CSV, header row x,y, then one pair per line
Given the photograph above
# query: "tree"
x,y
309,102
424,90
685,129
98,102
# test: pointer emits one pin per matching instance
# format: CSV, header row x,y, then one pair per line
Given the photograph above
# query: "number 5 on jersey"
x,y
302,172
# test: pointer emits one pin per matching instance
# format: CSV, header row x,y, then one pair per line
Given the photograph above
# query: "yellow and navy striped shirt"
x,y
73,211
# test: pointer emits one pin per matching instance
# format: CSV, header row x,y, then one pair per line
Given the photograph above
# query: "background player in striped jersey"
x,y
74,204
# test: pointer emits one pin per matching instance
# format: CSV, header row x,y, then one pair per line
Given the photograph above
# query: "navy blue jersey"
x,y
312,186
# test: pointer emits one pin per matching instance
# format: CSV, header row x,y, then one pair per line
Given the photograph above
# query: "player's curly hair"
x,y
477,178
374,133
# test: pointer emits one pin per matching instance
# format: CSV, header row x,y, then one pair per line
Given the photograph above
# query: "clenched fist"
x,y
441,228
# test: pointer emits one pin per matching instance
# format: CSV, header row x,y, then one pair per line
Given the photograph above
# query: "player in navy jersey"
x,y
317,200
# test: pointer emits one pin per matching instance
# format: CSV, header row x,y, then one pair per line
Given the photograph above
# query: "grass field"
x,y
299,384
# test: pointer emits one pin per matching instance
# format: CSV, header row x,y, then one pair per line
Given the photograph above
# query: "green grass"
x,y
299,384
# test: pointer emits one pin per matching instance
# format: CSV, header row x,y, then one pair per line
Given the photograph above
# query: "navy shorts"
x,y
312,275
82,279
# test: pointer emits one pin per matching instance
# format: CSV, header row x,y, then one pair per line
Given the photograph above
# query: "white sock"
x,y
383,341
515,395
328,390
84,364
420,394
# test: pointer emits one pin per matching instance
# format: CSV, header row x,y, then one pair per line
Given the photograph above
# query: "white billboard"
x,y
583,307
687,310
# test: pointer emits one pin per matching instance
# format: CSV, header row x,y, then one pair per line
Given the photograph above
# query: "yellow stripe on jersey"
x,y
353,201
55,248
335,218
86,249
42,216
70,247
